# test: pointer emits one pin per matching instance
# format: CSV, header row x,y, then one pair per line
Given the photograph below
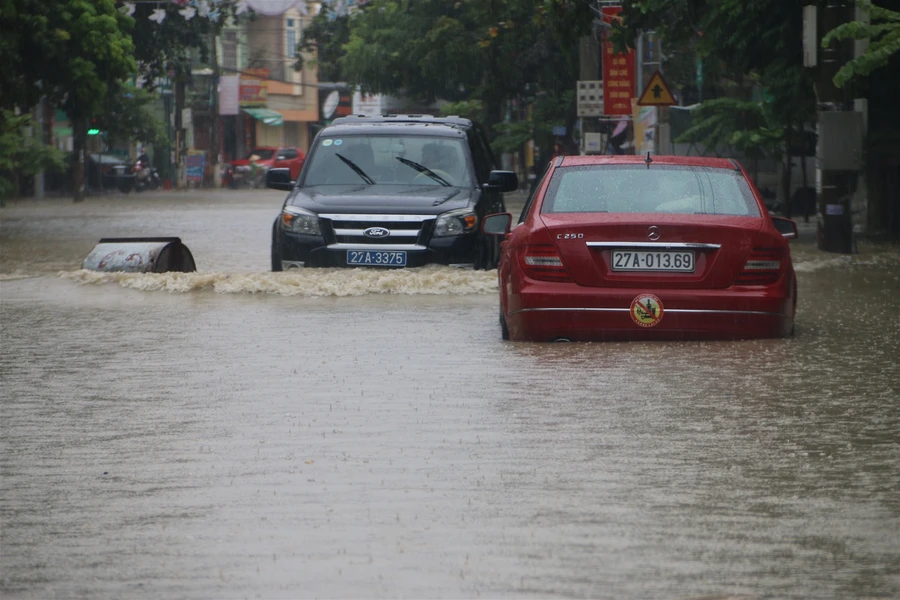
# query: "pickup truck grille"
x,y
410,231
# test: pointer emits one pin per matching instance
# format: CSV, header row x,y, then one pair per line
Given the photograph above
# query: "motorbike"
x,y
145,176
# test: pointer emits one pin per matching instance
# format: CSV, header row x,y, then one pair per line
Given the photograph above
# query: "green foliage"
x,y
884,33
495,54
88,54
511,136
166,47
22,155
547,110
127,117
744,46
324,38
423,50
743,126
469,109
74,52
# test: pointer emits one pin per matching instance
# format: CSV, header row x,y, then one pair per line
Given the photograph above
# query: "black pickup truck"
x,y
391,191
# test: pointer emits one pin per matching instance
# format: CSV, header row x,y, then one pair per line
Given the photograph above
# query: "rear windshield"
x,y
660,189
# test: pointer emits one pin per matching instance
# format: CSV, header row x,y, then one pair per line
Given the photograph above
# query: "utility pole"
x,y
179,84
214,109
839,147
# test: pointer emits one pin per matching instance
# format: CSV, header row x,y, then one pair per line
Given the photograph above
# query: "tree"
x,y
324,38
738,124
163,49
125,116
884,36
748,45
21,155
74,52
500,57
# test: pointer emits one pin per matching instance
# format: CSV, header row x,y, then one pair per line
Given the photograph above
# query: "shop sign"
x,y
254,90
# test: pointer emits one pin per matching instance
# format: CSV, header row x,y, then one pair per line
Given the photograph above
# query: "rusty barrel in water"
x,y
140,255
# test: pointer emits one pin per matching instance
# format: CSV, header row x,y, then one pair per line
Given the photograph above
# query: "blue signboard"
x,y
195,167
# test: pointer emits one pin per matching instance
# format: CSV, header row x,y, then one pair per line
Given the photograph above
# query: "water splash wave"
x,y
430,280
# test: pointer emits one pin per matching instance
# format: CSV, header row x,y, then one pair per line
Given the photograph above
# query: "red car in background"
x,y
251,170
634,248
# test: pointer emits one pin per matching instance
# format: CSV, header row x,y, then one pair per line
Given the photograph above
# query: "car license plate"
x,y
377,258
681,261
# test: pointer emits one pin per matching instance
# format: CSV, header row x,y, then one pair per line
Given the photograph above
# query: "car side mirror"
x,y
279,179
496,224
503,181
786,227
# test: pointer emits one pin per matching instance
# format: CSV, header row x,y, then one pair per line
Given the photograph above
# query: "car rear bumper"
x,y
546,312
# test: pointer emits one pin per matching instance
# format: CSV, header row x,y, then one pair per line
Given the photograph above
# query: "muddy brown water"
x,y
236,433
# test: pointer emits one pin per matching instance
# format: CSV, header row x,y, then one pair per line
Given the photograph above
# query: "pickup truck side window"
x,y
288,153
483,161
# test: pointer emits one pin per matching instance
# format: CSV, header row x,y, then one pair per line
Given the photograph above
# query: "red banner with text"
x,y
618,71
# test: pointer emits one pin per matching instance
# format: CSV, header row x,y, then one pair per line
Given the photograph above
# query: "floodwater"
x,y
236,433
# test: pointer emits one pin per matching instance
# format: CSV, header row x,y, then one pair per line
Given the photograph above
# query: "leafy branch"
x,y
885,36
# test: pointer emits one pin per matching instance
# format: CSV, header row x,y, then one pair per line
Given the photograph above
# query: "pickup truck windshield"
x,y
395,160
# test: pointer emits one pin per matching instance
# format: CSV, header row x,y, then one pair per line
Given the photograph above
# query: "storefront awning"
x,y
268,117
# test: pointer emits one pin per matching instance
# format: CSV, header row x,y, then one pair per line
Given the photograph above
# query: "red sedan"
x,y
251,169
640,248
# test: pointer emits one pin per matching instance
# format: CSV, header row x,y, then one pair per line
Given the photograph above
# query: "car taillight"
x,y
763,266
542,262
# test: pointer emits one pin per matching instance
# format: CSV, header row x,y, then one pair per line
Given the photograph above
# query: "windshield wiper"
x,y
423,169
356,169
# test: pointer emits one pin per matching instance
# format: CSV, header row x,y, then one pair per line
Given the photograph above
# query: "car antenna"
x,y
648,160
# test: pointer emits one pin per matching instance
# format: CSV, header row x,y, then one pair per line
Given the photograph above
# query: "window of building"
x,y
229,50
291,47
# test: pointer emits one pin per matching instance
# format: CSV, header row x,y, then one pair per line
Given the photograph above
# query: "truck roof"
x,y
393,128
398,118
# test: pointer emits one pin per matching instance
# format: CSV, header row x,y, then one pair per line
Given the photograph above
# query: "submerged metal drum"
x,y
140,255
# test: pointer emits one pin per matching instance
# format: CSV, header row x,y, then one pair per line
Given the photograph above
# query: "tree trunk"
x,y
805,186
79,142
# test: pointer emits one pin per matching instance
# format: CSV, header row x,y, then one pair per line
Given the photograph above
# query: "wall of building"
x,y
271,44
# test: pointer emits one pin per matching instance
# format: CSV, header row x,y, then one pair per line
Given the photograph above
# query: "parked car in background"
x,y
102,172
626,247
109,172
250,171
390,191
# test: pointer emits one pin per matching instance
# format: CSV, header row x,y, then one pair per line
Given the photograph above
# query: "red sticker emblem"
x,y
646,310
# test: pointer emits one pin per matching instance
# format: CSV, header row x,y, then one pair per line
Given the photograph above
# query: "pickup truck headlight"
x,y
298,220
455,222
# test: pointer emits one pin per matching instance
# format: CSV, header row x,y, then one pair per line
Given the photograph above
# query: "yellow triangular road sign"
x,y
656,93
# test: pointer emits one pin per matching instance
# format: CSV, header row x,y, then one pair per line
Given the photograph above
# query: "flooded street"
x,y
236,433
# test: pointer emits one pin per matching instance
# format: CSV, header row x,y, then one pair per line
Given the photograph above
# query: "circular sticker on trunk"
x,y
646,310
